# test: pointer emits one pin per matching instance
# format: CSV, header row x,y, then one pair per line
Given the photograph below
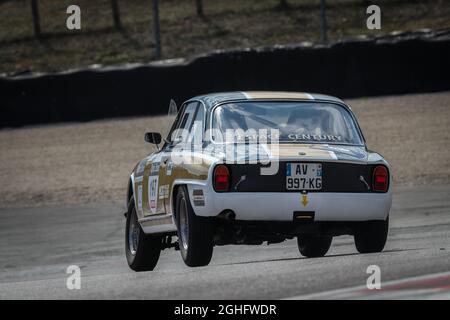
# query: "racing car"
x,y
252,168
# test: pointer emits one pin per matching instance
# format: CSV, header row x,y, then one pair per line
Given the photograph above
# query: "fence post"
x,y
36,20
116,14
323,22
156,31
199,6
283,3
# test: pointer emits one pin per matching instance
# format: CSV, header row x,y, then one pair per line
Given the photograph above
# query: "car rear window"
x,y
296,122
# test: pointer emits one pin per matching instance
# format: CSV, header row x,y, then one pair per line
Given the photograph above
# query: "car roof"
x,y
212,99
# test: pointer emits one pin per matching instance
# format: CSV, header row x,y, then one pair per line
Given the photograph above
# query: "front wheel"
x,y
313,247
195,234
371,236
142,251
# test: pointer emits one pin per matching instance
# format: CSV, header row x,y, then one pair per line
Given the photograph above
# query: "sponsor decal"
x,y
314,137
164,191
198,197
152,193
155,168
169,168
140,167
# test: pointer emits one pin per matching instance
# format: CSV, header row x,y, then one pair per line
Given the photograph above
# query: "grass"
x,y
228,24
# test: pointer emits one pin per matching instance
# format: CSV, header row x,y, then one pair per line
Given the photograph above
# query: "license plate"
x,y
303,176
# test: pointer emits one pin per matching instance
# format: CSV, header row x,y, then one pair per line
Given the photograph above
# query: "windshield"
x,y
301,122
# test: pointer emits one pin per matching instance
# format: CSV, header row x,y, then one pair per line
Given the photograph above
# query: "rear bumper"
x,y
280,206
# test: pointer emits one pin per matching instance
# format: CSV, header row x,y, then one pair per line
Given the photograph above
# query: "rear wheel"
x,y
371,236
194,233
142,251
313,247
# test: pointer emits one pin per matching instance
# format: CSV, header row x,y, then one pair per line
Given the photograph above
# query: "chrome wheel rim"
x,y
184,234
133,234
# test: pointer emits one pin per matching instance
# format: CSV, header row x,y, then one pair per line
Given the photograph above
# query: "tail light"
x,y
221,178
380,179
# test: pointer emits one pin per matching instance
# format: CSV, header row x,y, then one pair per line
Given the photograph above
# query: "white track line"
x,y
361,292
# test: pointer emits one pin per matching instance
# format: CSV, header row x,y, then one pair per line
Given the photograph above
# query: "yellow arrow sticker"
x,y
304,199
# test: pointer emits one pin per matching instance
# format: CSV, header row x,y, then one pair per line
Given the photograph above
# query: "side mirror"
x,y
153,137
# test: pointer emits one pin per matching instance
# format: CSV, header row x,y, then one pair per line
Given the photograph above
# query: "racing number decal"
x,y
153,187
153,193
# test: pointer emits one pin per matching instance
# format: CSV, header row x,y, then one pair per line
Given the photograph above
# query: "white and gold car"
x,y
254,167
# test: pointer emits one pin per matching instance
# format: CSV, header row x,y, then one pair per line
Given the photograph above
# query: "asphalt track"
x,y
38,244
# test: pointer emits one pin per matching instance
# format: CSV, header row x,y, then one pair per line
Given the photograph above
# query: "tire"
x,y
371,236
314,247
195,234
142,251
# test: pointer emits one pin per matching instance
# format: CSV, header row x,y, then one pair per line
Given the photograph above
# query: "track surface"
x,y
38,244
76,163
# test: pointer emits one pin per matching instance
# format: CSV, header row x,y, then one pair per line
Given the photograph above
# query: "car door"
x,y
152,189
170,167
150,183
